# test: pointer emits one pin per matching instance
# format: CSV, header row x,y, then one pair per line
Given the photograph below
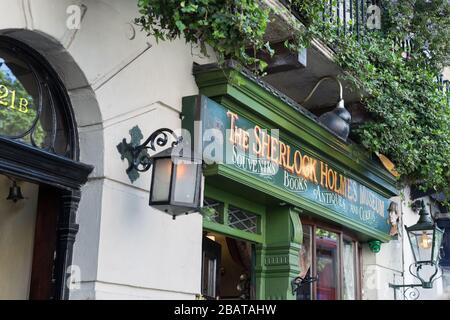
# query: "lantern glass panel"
x,y
185,181
438,236
422,244
162,173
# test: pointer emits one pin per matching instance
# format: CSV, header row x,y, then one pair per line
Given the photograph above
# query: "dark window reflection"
x,y
30,108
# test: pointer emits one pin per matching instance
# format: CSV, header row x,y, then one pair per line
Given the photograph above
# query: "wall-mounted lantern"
x,y
176,182
425,239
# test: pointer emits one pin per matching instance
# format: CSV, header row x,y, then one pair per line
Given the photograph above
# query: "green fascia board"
x,y
229,231
243,93
305,204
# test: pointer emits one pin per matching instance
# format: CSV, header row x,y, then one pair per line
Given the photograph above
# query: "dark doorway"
x,y
227,268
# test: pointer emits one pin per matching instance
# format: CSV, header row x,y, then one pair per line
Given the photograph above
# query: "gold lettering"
x,y
283,150
3,95
257,145
273,149
312,172
342,185
335,178
23,105
298,162
246,138
289,167
265,145
233,117
238,136
13,99
305,166
323,174
330,177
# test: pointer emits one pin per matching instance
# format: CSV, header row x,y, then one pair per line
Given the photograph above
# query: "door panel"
x,y
42,286
210,268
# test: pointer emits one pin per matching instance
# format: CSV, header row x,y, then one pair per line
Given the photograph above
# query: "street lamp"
x,y
425,239
176,181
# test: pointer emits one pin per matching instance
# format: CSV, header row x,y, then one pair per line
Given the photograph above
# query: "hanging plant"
x,y
229,27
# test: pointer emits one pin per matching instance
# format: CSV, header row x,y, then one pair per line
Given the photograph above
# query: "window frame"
x,y
343,234
227,199
52,86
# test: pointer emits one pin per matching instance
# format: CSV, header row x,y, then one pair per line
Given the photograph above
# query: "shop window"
x,y
242,220
349,258
305,258
330,256
233,216
327,264
33,105
213,210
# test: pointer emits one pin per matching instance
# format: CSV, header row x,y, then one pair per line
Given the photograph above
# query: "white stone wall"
x,y
117,78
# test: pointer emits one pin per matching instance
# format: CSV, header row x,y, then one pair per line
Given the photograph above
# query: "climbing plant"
x,y
410,117
230,27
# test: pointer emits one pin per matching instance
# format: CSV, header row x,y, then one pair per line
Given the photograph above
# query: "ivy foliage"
x,y
230,27
410,116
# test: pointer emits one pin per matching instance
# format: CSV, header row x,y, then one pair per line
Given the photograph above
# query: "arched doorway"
x,y
39,155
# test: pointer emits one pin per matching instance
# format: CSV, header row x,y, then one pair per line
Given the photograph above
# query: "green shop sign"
x,y
276,159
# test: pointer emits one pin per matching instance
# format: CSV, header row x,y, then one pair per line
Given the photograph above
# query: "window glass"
x,y
242,220
30,111
349,271
19,97
304,292
327,249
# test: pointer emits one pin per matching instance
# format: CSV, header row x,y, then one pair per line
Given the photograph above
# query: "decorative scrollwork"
x,y
415,268
411,293
137,154
298,282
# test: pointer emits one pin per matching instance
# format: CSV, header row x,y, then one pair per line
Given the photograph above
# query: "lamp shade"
x,y
338,120
176,182
425,238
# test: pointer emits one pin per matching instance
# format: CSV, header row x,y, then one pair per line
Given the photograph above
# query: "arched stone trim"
x,y
68,175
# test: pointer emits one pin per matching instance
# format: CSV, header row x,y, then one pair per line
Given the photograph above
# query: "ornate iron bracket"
x,y
298,282
410,291
137,154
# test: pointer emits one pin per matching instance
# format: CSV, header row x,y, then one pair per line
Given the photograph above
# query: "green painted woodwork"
x,y
303,203
277,261
239,202
263,105
213,115
280,231
277,245
297,229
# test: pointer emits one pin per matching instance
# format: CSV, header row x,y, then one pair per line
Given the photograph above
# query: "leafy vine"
x,y
410,116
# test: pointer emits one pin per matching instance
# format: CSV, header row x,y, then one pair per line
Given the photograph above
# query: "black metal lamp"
x,y
176,181
337,120
425,239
